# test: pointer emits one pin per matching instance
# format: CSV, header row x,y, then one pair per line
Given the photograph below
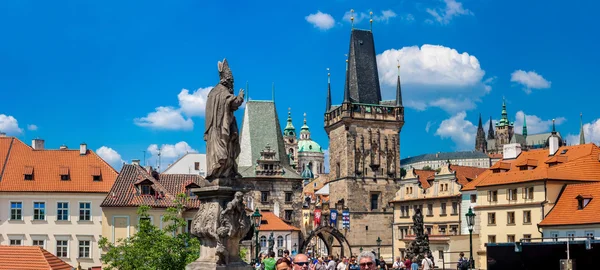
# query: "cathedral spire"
x,y
525,126
328,107
491,130
480,126
398,89
581,135
480,142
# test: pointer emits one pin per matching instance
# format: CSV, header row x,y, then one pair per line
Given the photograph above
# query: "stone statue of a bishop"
x,y
222,134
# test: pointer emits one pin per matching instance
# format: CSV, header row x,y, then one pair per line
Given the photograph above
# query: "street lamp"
x,y
378,247
361,249
470,224
256,220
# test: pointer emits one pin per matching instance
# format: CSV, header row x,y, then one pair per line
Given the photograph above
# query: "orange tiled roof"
x,y
29,257
124,192
270,222
465,174
570,163
566,211
47,166
424,176
494,156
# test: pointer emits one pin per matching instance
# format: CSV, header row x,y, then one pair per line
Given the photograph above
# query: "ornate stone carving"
x,y
420,246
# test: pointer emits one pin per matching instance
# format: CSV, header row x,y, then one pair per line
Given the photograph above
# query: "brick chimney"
x,y
135,162
83,149
553,143
63,147
511,151
2,134
37,144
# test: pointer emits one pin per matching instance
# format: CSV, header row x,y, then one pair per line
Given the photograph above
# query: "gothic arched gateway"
x,y
324,233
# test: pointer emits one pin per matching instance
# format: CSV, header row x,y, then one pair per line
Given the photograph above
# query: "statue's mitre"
x,y
224,67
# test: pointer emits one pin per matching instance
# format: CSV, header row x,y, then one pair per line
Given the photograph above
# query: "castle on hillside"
x,y
503,132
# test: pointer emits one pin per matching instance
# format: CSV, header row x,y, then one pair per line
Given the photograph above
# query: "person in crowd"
x,y
301,262
407,262
343,265
283,264
414,265
330,263
366,261
269,262
427,263
463,263
382,264
353,265
398,264
286,254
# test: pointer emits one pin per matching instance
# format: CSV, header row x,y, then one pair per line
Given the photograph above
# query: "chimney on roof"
x,y
148,169
37,144
511,151
135,162
63,147
83,149
2,134
553,142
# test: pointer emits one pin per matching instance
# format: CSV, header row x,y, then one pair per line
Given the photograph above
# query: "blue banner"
x,y
346,219
333,217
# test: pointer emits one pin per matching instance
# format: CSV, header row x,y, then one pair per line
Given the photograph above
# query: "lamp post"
x,y
470,224
256,220
378,247
361,249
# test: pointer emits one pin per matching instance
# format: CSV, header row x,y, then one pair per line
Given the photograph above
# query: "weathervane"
x,y
328,76
352,17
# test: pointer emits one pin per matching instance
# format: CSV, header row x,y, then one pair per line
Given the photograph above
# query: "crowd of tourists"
x,y
365,261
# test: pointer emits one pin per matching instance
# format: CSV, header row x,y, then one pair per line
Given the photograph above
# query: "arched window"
x,y
280,241
263,241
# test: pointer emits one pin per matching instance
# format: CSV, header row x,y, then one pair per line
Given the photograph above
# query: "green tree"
x,y
427,168
151,247
402,172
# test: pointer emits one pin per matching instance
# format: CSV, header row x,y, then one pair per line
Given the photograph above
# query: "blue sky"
x,y
127,77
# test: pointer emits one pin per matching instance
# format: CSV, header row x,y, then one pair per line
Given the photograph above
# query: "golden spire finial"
x,y
352,17
371,20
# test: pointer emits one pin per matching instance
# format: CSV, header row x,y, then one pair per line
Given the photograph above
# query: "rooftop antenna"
x,y
158,160
371,20
352,18
145,164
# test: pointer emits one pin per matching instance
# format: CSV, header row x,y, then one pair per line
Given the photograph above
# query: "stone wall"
x,y
277,189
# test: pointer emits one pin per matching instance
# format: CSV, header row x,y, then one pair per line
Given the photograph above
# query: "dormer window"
x,y
64,173
28,173
583,201
96,173
146,190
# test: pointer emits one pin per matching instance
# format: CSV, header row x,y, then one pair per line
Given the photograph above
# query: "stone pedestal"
x,y
213,227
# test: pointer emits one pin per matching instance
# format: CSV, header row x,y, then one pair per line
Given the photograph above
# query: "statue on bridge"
x,y
420,246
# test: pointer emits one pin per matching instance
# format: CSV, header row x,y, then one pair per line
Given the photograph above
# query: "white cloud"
x,y
168,153
193,104
32,127
428,126
461,131
434,75
110,156
450,10
9,125
529,80
591,132
321,20
535,124
165,118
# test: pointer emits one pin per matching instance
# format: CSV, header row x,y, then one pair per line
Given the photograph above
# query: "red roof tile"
x,y
270,222
29,258
47,166
566,210
124,192
571,163
424,176
465,174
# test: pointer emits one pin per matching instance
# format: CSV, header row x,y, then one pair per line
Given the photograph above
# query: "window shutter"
x,y
489,196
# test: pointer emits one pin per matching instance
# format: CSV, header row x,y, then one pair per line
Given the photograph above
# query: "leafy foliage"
x,y
427,168
243,253
402,172
151,247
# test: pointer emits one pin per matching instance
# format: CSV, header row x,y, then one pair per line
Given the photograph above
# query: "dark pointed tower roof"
x,y
525,125
480,126
328,106
362,79
491,130
399,90
480,142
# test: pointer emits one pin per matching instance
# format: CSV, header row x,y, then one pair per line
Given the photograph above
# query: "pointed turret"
x,y
346,88
289,130
328,106
491,130
398,89
525,126
581,135
304,131
480,142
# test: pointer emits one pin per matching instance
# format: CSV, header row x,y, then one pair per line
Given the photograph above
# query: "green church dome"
x,y
309,146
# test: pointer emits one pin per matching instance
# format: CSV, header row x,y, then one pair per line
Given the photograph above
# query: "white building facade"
x,y
190,163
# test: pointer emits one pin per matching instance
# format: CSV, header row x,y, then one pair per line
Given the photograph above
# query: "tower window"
x,y
374,201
